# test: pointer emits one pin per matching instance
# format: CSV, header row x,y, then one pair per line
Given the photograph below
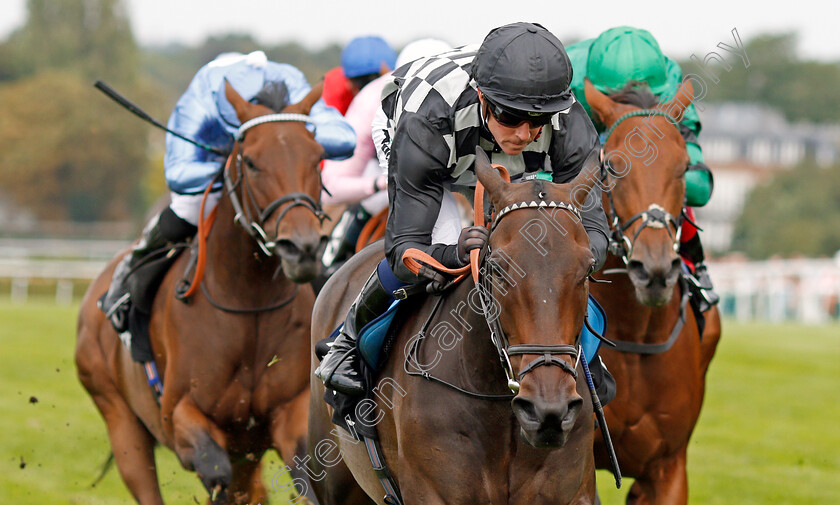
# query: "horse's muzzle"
x,y
301,258
546,424
654,282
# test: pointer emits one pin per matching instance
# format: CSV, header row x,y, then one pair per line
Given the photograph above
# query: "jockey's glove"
x,y
472,237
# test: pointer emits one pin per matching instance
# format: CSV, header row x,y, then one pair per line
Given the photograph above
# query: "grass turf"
x,y
768,432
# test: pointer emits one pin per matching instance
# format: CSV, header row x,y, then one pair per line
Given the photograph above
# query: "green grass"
x,y
768,433
52,449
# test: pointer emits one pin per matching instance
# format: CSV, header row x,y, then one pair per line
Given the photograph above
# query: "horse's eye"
x,y
250,164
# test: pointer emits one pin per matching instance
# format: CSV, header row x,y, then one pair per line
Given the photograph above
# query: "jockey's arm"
x,y
332,131
415,189
189,169
574,147
699,182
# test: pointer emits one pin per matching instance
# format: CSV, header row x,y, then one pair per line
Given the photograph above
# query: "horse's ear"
x,y
602,106
489,176
240,105
305,105
676,106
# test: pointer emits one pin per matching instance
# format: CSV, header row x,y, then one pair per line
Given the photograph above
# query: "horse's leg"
x,y
289,424
131,442
200,445
711,337
667,483
247,485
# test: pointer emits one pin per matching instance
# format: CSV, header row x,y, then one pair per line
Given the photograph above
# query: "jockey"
x,y
359,181
204,115
439,109
622,55
363,60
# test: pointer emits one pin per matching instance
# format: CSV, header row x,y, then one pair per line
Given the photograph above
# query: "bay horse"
x,y
472,440
234,359
660,376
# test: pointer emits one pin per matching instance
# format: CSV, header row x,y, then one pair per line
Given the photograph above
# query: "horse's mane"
x,y
636,93
273,95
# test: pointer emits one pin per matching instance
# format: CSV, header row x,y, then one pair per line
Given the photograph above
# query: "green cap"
x,y
624,54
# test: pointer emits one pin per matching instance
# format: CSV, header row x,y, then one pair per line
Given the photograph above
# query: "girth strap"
x,y
377,461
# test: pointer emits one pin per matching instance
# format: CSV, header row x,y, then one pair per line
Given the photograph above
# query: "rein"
x,y
419,262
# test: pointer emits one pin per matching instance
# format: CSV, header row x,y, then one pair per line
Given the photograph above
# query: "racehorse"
x,y
462,437
660,376
234,359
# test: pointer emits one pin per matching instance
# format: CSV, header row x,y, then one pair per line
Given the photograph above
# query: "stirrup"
x,y
118,313
123,300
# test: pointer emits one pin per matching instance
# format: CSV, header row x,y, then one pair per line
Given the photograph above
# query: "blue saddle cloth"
x,y
373,335
598,321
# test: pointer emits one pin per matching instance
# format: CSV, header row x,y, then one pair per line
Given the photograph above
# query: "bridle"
x,y
547,354
244,216
655,216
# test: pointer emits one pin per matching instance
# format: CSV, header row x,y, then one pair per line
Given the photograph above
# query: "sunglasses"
x,y
512,119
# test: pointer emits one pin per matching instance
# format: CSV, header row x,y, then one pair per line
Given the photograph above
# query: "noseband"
x,y
243,216
655,216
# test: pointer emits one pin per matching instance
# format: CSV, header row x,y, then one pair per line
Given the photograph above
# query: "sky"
x,y
682,28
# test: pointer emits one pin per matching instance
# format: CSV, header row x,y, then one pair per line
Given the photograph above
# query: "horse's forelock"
x,y
273,95
635,93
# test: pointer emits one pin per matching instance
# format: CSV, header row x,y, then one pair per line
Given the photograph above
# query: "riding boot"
x,y
164,228
344,236
339,370
701,282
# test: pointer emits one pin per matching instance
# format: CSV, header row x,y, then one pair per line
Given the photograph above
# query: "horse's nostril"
x,y
301,250
676,266
524,409
636,269
287,249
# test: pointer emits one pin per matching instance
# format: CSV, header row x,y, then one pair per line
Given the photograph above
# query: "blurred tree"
x,y
92,37
70,153
797,212
173,66
67,152
802,90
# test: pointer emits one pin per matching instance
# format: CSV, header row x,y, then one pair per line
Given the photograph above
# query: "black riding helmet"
x,y
523,68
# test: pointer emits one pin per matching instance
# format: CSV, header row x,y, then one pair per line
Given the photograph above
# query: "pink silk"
x,y
345,179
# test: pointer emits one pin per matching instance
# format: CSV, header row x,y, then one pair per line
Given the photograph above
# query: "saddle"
x,y
143,284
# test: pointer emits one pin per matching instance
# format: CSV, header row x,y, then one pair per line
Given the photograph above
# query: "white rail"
x,y
802,290
23,263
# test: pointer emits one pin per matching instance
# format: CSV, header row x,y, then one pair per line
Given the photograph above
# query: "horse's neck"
x,y
628,318
234,259
473,362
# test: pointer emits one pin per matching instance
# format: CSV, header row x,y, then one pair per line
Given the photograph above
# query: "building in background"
x,y
745,144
